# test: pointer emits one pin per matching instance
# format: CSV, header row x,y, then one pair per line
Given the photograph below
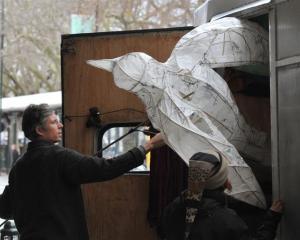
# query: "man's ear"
x,y
39,130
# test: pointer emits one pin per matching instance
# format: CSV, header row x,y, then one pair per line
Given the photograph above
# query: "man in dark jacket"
x,y
44,196
207,215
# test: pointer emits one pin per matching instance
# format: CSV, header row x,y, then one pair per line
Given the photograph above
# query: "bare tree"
x,y
33,31
31,51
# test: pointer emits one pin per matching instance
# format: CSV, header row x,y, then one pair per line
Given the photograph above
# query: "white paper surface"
x,y
191,104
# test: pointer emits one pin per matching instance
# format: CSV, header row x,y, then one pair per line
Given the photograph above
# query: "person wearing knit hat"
x,y
207,170
205,212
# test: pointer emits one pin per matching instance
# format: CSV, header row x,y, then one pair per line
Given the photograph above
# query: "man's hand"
x,y
155,142
277,206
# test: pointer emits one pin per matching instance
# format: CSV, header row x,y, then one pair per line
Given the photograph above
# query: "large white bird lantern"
x,y
190,103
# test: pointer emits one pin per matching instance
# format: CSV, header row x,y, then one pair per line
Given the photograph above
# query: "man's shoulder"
x,y
60,150
44,152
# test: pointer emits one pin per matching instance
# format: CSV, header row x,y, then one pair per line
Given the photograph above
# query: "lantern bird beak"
x,y
105,64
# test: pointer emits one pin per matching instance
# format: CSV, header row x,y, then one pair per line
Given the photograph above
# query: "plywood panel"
x,y
115,209
85,86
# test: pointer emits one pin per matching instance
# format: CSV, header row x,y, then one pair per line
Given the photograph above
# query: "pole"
x,y
1,51
1,67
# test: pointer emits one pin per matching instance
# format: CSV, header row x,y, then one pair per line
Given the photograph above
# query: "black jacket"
x,y
216,221
44,196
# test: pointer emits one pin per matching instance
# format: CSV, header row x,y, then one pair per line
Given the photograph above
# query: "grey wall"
x,y
287,77
288,29
289,148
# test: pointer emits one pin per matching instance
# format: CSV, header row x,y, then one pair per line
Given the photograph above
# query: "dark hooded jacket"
x,y
44,195
216,220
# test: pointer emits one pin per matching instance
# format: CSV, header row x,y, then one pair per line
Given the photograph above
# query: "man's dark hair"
x,y
35,116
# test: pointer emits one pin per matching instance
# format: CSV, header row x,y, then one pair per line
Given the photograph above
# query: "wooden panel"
x,y
115,209
85,86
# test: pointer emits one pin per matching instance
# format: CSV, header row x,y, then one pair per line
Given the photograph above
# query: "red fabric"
x,y
168,177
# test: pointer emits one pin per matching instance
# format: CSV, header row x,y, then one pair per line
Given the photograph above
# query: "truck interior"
x,y
140,196
136,199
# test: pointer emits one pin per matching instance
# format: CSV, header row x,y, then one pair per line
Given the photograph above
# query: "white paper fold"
x,y
192,105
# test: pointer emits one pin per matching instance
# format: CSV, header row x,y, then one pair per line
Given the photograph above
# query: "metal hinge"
x,y
67,47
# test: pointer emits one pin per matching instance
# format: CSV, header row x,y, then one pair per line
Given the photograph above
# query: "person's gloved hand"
x,y
277,206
